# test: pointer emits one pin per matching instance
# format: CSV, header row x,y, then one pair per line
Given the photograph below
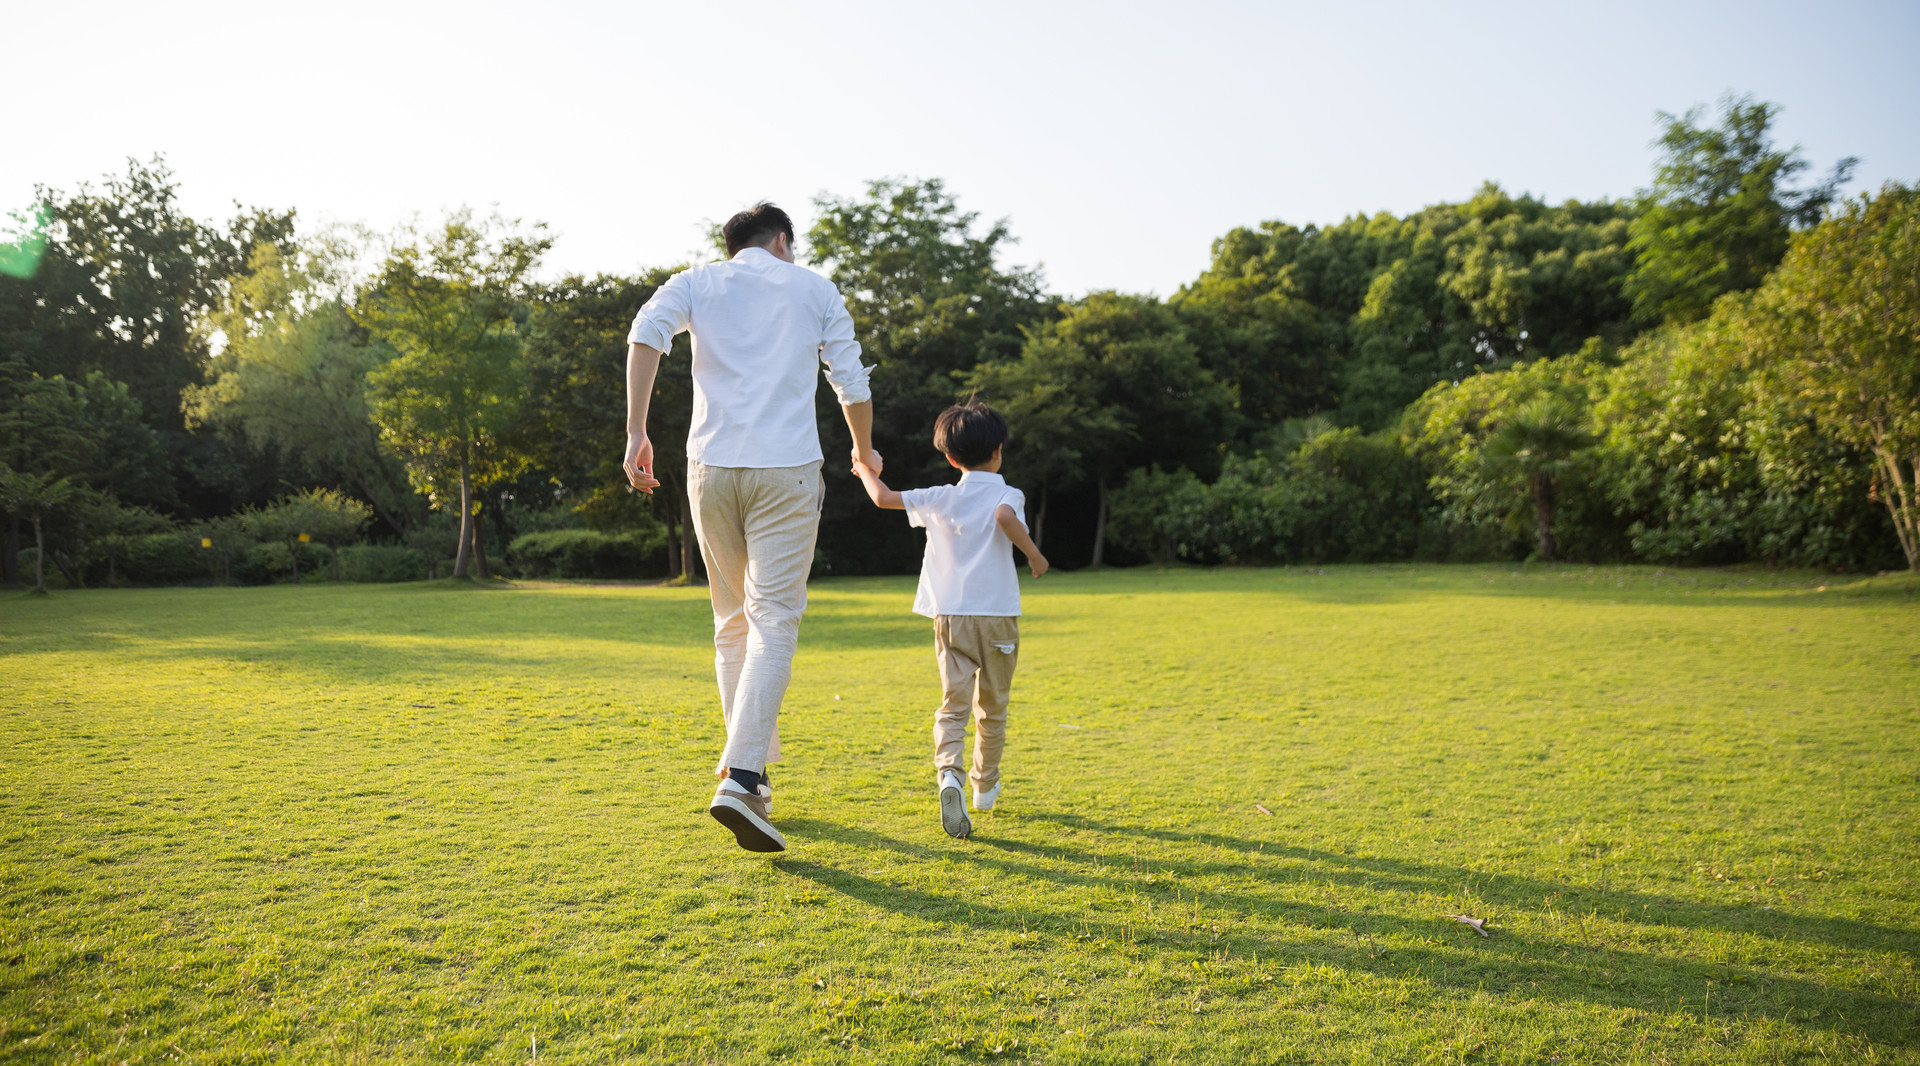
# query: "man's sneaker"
x,y
953,808
983,801
766,792
746,814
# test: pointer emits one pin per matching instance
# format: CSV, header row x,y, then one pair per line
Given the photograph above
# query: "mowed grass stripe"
x,y
374,823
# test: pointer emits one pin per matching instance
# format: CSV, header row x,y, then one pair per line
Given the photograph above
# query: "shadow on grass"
x,y
1538,966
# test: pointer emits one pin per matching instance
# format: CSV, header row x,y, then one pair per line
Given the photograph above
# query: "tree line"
x,y
1721,368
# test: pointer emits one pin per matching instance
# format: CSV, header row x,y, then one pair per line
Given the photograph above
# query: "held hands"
x,y
871,461
638,463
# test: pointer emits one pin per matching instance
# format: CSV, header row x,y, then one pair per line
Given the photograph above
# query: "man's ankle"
x,y
747,779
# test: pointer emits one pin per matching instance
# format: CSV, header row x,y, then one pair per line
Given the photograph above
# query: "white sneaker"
x,y
953,809
983,801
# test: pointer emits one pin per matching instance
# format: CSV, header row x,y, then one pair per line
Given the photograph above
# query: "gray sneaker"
x,y
953,807
746,813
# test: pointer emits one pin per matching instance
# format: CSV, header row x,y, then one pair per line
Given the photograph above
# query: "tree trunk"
x,y
1040,519
1166,549
294,551
1901,502
1100,529
10,565
466,517
1543,514
39,558
480,552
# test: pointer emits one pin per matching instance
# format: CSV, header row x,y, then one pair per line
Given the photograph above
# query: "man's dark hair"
x,y
969,432
755,227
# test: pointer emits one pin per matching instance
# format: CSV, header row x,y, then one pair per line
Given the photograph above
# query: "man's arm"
x,y
643,362
877,490
1016,532
860,424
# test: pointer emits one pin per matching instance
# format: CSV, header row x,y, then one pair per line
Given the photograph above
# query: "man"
x,y
753,471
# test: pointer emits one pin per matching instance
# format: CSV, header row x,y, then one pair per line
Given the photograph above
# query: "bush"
x,y
379,563
152,559
586,553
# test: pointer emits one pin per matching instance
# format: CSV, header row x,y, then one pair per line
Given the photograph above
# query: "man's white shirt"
x,y
758,324
968,568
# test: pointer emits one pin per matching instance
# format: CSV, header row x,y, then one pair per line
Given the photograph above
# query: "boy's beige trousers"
x,y
977,654
757,527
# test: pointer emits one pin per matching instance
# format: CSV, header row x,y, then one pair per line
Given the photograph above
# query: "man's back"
x,y
758,325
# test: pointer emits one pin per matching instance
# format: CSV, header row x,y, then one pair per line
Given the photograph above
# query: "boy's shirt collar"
x,y
987,476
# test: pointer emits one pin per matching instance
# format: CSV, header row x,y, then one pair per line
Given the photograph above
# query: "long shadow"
x,y
1549,967
1506,889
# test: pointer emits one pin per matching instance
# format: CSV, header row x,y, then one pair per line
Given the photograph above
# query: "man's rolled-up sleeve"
x,y
841,354
669,312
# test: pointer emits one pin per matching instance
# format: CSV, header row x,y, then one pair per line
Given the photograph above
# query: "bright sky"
x,y
1119,138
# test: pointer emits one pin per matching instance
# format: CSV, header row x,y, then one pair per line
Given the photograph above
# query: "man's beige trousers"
x,y
757,527
977,654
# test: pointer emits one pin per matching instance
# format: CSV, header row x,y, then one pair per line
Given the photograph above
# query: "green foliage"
x,y
1718,215
572,429
1837,331
293,374
590,553
447,303
404,823
1367,314
1340,497
124,288
930,301
1112,385
382,563
156,559
325,516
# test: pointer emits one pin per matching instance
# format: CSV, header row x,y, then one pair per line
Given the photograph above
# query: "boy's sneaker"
x,y
746,813
953,808
983,801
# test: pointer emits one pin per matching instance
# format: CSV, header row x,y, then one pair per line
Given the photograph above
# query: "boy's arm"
x,y
877,491
1010,524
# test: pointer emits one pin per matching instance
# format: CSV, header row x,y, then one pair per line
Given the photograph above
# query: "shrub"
x,y
586,553
154,559
378,563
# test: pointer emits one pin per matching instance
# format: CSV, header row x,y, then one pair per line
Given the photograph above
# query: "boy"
x,y
969,588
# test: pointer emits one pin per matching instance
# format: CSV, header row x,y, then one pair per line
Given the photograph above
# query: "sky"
x,y
1118,139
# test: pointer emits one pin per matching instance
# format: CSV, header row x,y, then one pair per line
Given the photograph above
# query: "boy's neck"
x,y
992,466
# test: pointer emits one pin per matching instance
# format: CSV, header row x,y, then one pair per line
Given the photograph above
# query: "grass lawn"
x,y
427,823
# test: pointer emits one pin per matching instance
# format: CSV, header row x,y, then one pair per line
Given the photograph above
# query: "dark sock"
x,y
746,779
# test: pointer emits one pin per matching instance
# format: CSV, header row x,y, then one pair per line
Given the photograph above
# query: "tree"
x,y
123,288
1719,213
1115,384
930,300
34,496
446,302
293,374
572,429
1839,335
1538,443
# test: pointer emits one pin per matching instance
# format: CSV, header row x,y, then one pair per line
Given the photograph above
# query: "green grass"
x,y
422,823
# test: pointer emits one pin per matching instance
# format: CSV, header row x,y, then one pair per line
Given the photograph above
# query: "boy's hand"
x,y
1038,564
871,460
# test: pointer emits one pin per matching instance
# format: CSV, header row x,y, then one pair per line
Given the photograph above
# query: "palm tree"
x,y
1538,441
33,497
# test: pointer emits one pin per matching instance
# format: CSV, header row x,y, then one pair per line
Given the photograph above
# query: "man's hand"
x,y
871,460
1038,564
639,463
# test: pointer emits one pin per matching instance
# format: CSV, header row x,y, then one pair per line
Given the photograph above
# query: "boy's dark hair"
x,y
969,432
755,227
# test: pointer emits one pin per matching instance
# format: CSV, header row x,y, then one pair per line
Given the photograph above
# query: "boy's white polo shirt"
x,y
968,568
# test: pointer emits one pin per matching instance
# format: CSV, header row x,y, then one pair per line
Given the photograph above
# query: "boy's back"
x,y
968,567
